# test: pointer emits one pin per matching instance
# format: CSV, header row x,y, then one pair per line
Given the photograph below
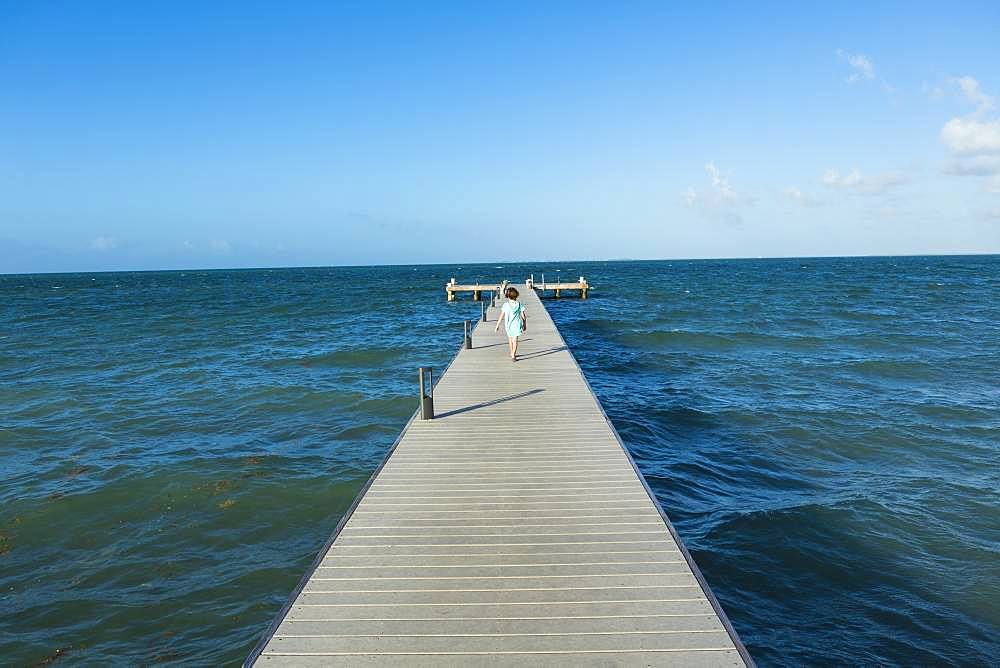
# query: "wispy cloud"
x,y
993,185
862,67
103,243
799,197
932,91
719,201
974,94
855,182
979,165
220,246
989,215
720,183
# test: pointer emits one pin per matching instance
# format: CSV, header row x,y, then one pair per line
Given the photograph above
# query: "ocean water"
x,y
825,433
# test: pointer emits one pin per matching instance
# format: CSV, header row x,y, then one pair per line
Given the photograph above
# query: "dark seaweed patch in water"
x,y
894,369
596,325
678,340
360,432
358,358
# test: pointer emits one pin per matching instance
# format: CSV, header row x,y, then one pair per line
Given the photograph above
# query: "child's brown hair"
x,y
511,293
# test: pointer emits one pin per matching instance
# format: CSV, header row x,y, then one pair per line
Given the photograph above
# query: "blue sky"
x,y
171,135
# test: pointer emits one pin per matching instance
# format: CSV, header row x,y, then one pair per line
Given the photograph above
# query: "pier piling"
x,y
426,393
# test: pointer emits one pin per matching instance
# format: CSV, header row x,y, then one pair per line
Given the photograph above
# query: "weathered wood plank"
x,y
511,530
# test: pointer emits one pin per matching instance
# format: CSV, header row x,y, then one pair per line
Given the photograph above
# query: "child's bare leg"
x,y
513,347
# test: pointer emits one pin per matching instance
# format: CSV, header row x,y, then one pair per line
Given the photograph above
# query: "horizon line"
x,y
484,262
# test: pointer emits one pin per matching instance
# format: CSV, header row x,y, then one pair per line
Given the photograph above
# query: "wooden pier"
x,y
582,287
511,530
477,289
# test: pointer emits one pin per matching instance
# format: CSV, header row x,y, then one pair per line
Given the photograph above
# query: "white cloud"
x,y
799,197
719,201
974,142
855,182
221,246
862,65
974,94
103,244
970,137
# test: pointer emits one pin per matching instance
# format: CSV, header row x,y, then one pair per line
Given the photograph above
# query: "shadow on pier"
x,y
542,353
489,403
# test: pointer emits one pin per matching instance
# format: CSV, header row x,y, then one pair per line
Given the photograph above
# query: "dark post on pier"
x,y
512,529
426,393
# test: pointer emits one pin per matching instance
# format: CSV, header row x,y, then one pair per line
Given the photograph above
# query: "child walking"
x,y
515,320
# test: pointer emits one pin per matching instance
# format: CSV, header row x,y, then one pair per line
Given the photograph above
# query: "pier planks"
x,y
511,530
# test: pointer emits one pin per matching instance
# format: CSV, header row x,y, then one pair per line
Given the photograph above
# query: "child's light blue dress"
x,y
512,313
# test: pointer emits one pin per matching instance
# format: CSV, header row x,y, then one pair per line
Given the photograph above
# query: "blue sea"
x,y
175,447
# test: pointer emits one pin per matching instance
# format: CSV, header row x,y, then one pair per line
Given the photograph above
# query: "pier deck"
x,y
511,530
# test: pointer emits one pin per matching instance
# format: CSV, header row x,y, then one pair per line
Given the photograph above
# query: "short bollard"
x,y
468,336
427,393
